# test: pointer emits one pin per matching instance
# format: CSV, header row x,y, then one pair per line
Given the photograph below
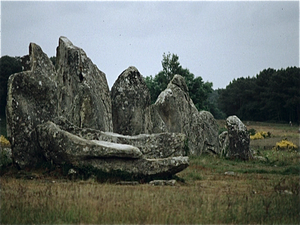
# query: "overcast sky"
x,y
218,41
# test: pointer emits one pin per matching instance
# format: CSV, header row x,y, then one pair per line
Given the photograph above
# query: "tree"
x,y
272,95
53,60
8,65
198,90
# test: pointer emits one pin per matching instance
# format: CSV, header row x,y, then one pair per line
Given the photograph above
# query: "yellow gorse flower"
x,y
4,142
259,135
285,144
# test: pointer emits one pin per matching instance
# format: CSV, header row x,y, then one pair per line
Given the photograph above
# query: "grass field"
x,y
210,190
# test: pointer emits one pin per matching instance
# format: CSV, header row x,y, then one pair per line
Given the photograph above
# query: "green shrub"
x,y
252,131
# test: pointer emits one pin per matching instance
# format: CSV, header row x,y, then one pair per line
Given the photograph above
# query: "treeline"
x,y
8,65
272,95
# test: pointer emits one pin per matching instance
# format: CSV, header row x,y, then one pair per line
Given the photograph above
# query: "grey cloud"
x,y
216,40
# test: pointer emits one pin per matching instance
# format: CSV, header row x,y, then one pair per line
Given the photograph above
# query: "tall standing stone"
x,y
31,100
76,89
83,96
130,103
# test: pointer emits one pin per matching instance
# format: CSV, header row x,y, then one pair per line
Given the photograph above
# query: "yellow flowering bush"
x,y
285,144
4,142
260,135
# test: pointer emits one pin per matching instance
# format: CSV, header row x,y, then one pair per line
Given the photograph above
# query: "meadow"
x,y
211,190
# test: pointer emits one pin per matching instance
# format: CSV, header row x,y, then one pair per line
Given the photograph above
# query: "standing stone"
x,y
77,90
31,100
239,139
210,132
83,96
177,110
130,101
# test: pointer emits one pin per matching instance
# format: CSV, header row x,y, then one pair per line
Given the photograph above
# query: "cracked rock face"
x,y
83,92
63,115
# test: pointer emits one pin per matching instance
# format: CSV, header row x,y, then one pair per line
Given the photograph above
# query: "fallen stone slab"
x,y
161,145
139,168
162,182
62,147
131,183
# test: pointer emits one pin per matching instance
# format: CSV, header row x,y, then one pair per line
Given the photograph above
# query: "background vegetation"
x,y
272,95
8,65
198,90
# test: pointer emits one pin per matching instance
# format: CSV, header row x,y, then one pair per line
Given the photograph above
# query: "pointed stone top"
x,y
130,76
129,70
65,40
36,58
179,81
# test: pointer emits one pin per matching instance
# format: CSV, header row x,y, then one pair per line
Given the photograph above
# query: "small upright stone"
x,y
239,139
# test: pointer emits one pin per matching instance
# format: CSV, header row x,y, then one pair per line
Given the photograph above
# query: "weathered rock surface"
x,y
76,90
83,92
42,99
62,147
161,145
224,143
163,182
178,112
239,139
130,101
31,100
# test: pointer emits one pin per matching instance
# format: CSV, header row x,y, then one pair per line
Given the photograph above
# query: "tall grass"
x,y
74,202
257,192
254,192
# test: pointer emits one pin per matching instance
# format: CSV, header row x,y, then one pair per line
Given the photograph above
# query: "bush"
x,y
222,129
252,131
4,142
5,157
285,144
260,135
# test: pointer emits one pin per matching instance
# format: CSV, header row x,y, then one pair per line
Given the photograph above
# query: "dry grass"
x,y
220,199
256,193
